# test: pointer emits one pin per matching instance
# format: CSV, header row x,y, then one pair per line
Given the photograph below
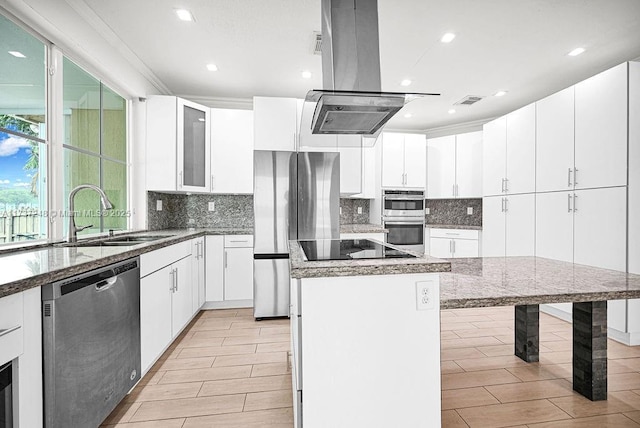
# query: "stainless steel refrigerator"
x,y
295,196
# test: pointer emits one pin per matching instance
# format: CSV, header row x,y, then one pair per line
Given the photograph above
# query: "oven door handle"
x,y
411,223
403,198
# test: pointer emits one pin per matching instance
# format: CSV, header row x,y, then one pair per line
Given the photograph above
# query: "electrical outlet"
x,y
427,211
425,300
359,210
159,205
212,206
340,210
469,210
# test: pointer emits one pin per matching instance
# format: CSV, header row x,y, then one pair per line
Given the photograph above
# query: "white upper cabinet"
x,y
554,141
469,165
231,151
494,156
441,167
351,168
178,149
521,150
404,160
275,123
601,129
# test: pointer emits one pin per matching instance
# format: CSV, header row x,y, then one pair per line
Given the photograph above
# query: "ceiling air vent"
x,y
468,100
316,46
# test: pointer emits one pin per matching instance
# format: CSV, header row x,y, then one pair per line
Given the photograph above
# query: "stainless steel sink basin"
x,y
138,238
120,241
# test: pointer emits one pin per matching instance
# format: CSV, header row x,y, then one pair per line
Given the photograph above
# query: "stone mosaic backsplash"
x,y
454,212
349,211
182,211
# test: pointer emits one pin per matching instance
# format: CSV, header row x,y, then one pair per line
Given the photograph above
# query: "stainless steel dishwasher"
x,y
91,344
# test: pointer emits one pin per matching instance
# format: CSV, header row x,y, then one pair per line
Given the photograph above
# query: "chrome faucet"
x,y
106,204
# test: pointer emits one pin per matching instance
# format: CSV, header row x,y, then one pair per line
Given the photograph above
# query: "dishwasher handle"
x,y
106,284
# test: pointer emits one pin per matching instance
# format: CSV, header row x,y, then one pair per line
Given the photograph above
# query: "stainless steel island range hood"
x,y
351,101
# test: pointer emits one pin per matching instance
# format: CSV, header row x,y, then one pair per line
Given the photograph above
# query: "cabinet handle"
x,y
575,201
213,182
502,186
457,192
173,281
506,185
502,204
225,259
506,204
9,330
181,179
454,246
575,176
569,184
176,277
569,202
450,246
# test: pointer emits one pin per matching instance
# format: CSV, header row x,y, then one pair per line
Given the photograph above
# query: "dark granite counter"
x,y
362,228
301,268
34,267
509,281
452,226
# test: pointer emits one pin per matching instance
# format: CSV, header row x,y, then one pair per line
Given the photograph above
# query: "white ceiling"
x,y
261,47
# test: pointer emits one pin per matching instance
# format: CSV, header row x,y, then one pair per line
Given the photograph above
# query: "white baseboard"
x,y
558,313
228,304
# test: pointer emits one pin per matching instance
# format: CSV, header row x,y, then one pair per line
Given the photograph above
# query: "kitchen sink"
x,y
138,238
120,241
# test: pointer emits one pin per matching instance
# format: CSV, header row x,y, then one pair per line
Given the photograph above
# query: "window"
x,y
95,147
23,135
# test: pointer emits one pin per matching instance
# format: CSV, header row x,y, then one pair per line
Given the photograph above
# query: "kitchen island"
x,y
365,337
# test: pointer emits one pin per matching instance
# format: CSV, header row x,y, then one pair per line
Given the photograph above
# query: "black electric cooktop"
x,y
349,249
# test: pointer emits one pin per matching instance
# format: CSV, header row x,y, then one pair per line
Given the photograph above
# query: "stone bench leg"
x,y
527,320
590,349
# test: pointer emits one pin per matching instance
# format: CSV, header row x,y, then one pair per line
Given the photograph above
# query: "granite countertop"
x,y
40,265
508,281
452,226
301,268
363,228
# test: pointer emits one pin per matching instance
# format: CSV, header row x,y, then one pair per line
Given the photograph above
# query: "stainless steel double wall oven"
x,y
403,216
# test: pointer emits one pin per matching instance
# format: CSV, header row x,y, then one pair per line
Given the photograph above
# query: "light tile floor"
x,y
227,370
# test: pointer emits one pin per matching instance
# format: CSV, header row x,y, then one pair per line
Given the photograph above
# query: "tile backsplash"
x,y
454,212
182,211
349,211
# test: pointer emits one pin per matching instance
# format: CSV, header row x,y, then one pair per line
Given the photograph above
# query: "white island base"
x,y
366,351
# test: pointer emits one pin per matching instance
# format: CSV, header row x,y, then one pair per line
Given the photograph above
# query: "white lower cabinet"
x,y
166,299
454,243
198,272
229,271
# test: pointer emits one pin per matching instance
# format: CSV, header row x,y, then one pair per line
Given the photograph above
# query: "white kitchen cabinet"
x,y
454,166
494,156
198,272
231,151
441,167
508,225
178,145
521,150
453,243
351,170
275,123
238,267
555,141
554,226
601,129
634,179
182,296
404,160
214,269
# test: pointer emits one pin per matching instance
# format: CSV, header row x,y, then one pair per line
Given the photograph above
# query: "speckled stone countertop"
x,y
452,226
363,228
34,267
301,268
508,281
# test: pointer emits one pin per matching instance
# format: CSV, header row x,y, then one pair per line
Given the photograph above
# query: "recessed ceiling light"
x,y
576,52
306,74
405,82
212,67
408,115
184,15
447,37
17,54
500,93
451,111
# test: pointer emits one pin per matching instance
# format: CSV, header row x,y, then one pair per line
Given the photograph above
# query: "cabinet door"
x,y
274,123
193,147
197,269
415,160
520,225
494,156
441,167
231,151
441,247
521,150
350,170
493,226
465,248
369,189
393,160
155,315
554,226
238,274
601,129
469,165
214,268
161,154
554,141
600,237
182,303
